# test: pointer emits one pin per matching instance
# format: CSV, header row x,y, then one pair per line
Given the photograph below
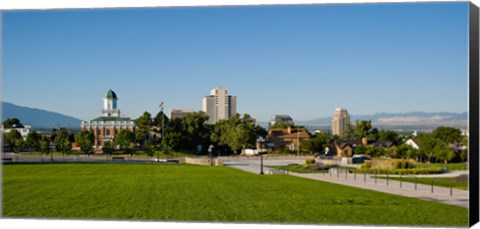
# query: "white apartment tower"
x,y
219,105
340,121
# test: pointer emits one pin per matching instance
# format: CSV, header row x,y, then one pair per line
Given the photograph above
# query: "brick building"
x,y
109,123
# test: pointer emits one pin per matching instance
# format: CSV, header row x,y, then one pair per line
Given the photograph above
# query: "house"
x,y
346,148
24,130
287,137
413,143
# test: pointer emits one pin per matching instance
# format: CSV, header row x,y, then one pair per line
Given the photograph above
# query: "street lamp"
x,y
210,150
261,161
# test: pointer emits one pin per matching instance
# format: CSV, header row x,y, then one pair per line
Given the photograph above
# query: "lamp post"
x,y
210,150
261,142
261,162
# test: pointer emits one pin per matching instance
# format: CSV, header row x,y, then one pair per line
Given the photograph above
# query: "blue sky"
x,y
301,60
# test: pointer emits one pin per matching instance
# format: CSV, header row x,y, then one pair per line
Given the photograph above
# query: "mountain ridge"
x,y
38,118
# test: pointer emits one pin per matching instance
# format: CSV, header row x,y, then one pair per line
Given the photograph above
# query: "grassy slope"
x,y
196,193
438,181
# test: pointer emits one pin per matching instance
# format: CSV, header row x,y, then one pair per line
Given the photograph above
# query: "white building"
x,y
24,130
340,121
219,105
110,122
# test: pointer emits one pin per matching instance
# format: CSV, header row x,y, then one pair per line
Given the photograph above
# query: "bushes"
x,y
396,166
390,164
411,171
310,161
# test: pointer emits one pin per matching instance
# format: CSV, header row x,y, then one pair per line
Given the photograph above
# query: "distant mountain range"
x,y
409,118
38,118
47,119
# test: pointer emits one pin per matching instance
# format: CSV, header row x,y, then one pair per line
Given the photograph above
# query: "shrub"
x,y
310,161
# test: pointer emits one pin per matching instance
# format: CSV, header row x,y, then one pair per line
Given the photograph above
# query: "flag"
x,y
161,105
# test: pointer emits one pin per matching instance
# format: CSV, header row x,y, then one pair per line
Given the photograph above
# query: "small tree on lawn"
x,y
45,147
33,141
15,140
148,149
63,142
108,148
85,139
124,138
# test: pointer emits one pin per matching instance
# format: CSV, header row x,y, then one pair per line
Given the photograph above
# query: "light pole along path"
x,y
421,191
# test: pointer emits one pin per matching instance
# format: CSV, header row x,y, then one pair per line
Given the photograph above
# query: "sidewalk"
x,y
421,191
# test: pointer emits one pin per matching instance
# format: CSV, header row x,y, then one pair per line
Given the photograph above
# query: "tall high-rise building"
x,y
340,121
219,105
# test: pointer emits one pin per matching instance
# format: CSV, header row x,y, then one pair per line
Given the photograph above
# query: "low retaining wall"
x,y
265,157
201,161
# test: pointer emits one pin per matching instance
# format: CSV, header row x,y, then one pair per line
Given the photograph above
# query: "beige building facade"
x,y
340,121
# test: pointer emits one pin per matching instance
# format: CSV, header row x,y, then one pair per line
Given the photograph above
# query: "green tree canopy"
x,y
282,124
362,128
108,148
143,126
236,132
391,136
85,139
447,134
63,141
14,140
33,140
348,133
11,122
124,139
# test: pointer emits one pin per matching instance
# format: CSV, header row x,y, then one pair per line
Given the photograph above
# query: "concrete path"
x,y
421,191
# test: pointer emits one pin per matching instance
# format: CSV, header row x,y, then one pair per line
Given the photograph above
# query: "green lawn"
x,y
201,193
450,166
458,183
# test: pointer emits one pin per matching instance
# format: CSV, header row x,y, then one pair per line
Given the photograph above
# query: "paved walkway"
x,y
421,191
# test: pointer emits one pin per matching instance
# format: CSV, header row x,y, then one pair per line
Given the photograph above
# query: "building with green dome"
x,y
106,126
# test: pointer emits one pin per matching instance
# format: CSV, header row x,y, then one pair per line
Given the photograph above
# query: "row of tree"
x,y
233,135
192,133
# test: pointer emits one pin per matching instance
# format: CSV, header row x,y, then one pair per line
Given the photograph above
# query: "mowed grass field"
x,y
199,193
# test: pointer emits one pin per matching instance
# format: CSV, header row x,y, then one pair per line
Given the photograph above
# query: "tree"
x,y
236,133
282,124
108,148
348,133
391,136
11,122
148,149
45,146
161,121
14,140
196,130
318,142
361,149
63,141
123,139
428,144
443,152
448,135
362,128
33,141
407,151
85,139
143,126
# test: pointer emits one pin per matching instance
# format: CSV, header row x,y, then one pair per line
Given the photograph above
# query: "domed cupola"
x,y
110,104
